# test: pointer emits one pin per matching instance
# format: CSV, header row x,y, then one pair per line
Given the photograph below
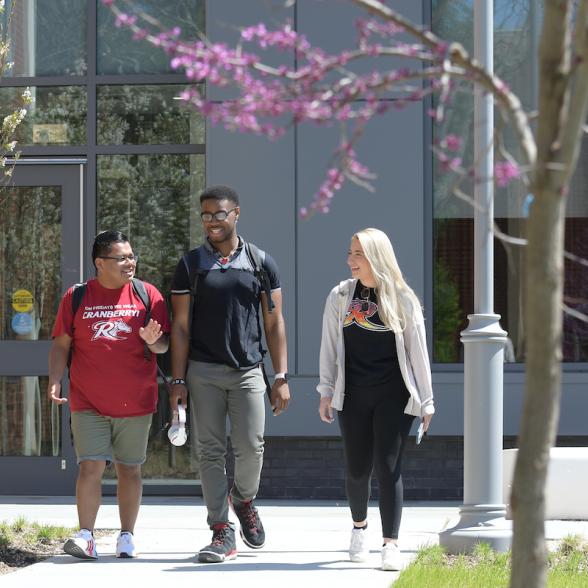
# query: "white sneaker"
x,y
125,545
391,558
81,545
357,549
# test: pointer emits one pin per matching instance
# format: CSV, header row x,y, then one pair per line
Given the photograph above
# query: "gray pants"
x,y
217,390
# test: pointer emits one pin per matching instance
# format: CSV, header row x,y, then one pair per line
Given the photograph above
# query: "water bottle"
x,y
177,431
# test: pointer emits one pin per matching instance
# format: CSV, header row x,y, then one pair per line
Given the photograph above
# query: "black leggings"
x,y
374,430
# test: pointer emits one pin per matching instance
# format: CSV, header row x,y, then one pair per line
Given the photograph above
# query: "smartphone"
x,y
420,432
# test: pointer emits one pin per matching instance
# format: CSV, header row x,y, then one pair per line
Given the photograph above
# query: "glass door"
x,y
41,252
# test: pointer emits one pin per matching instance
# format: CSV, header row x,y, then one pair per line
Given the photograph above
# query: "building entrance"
x,y
41,245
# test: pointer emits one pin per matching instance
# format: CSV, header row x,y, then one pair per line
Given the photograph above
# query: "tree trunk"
x,y
543,320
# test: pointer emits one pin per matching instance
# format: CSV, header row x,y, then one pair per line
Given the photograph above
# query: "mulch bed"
x,y
20,553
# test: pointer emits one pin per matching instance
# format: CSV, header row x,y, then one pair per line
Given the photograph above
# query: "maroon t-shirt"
x,y
109,373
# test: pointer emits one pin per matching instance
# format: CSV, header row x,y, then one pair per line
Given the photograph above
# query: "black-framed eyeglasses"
x,y
133,258
221,215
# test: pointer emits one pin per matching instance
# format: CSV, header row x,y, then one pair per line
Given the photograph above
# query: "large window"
x,y
517,26
146,114
36,25
117,107
149,176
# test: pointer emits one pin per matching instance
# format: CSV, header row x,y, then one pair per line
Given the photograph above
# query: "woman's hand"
x,y
427,421
326,410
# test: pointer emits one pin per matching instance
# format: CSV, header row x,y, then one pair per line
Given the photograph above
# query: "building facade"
x,y
105,145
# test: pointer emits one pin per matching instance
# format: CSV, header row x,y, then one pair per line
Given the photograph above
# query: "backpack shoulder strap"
x,y
254,255
193,262
140,290
77,296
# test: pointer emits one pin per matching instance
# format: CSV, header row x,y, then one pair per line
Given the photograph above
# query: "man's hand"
x,y
280,397
151,332
54,393
178,395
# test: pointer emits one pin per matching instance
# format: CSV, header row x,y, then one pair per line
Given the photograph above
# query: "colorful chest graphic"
x,y
359,313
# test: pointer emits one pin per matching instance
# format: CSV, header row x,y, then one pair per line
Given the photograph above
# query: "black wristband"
x,y
178,381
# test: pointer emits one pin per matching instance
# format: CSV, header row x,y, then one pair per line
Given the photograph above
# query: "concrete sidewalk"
x,y
306,544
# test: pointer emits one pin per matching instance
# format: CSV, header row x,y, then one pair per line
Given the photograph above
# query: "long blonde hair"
x,y
396,299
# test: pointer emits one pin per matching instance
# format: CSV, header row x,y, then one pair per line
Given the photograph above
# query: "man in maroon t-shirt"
x,y
113,385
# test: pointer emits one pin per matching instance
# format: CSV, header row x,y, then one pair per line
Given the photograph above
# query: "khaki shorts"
x,y
103,438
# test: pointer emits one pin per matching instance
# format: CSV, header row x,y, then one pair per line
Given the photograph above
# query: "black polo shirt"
x,y
226,326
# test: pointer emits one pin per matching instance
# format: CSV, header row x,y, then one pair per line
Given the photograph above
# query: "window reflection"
x,y
57,115
516,28
29,422
30,258
118,53
146,114
151,199
35,27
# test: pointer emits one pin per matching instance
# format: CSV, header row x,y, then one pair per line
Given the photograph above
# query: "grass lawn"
x,y
485,568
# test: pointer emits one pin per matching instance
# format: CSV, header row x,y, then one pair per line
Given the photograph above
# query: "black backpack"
x,y
79,290
253,254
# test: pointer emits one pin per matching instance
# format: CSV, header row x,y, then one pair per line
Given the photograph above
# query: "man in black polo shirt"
x,y
217,350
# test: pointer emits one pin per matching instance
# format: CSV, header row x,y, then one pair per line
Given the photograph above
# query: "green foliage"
x,y
19,524
486,568
48,533
30,534
447,316
5,535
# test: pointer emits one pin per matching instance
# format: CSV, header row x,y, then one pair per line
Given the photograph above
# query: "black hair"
x,y
103,243
220,193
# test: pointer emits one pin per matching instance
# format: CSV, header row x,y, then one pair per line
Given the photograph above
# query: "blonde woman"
x,y
374,370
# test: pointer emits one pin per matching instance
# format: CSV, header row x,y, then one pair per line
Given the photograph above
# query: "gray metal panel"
x,y
38,475
393,150
448,388
225,18
331,26
302,417
24,358
262,172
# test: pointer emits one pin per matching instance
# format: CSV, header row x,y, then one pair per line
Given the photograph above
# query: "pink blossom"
x,y
452,142
504,172
123,19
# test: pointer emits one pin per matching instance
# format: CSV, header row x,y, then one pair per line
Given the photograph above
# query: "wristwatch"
x,y
281,376
178,381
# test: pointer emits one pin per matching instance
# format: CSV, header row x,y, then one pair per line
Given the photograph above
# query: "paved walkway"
x,y
306,545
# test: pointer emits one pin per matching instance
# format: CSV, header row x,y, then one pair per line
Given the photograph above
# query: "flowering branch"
x,y
321,88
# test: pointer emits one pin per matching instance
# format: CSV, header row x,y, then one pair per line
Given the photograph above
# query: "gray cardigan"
x,y
411,347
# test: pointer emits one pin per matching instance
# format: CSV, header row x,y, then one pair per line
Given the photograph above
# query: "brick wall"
x,y
313,467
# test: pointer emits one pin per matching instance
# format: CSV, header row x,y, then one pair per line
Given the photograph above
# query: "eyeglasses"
x,y
221,215
121,259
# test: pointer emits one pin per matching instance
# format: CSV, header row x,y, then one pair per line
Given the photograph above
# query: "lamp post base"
x,y
480,523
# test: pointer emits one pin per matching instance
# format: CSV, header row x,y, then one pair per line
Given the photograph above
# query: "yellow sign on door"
x,y
22,301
